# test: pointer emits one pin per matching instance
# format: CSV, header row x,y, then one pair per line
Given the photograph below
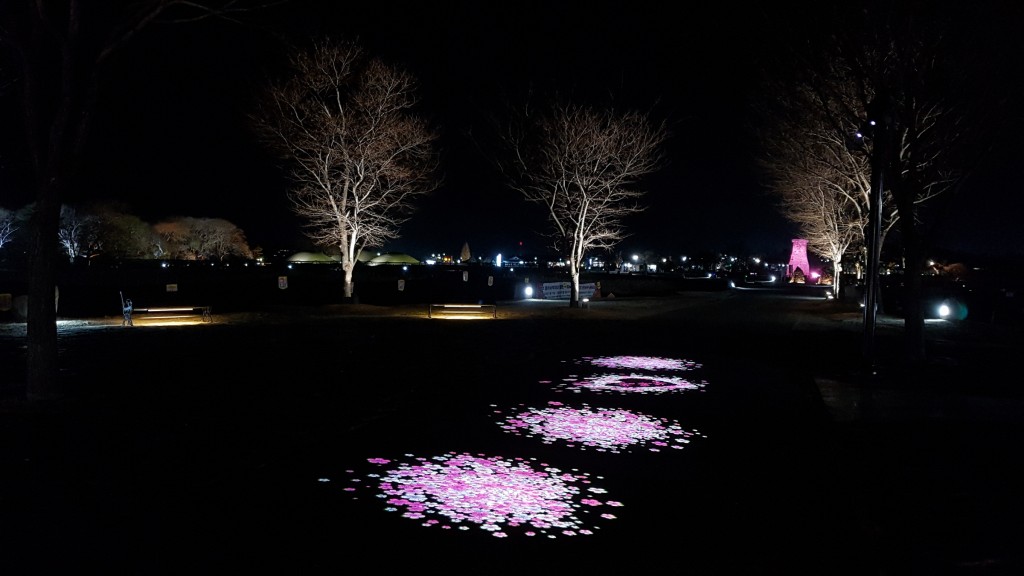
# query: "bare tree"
x,y
171,239
76,228
359,156
7,225
119,233
213,239
585,167
187,238
60,51
828,221
938,114
928,109
818,168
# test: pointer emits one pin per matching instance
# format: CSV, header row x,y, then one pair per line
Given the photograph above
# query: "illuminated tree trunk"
x,y
350,287
574,285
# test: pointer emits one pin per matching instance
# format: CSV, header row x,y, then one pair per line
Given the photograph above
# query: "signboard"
x,y
282,282
401,284
172,287
561,290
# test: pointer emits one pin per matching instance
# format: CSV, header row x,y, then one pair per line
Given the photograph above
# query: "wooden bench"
x,y
465,311
173,313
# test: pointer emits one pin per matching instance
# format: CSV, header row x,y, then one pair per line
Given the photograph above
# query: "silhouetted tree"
x,y
818,170
120,234
920,73
60,52
357,154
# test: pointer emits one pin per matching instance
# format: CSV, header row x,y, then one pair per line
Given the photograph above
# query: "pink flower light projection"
x,y
629,384
606,429
456,490
651,363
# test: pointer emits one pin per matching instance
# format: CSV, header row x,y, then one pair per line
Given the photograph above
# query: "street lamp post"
x,y
879,119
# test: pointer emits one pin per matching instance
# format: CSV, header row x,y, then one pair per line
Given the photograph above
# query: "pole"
x,y
879,156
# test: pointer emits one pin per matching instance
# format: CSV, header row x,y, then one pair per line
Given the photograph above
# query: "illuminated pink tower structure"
x,y
798,258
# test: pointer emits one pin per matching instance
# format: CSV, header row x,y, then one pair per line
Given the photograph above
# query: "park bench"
x,y
172,313
462,311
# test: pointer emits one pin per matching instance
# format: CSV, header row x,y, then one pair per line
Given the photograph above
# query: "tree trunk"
x,y
350,285
42,370
574,285
913,323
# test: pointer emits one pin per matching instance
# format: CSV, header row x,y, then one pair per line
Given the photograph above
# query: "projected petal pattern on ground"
x,y
651,363
606,429
630,384
456,490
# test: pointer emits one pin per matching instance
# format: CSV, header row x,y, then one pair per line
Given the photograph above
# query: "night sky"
x,y
171,138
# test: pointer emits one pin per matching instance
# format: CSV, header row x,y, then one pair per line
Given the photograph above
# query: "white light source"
x,y
528,291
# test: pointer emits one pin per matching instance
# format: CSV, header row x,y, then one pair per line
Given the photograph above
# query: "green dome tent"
x,y
392,258
313,258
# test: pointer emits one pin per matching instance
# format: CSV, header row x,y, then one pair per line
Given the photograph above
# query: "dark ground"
x,y
204,449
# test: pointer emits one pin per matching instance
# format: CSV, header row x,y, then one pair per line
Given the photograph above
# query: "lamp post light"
x,y
879,121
